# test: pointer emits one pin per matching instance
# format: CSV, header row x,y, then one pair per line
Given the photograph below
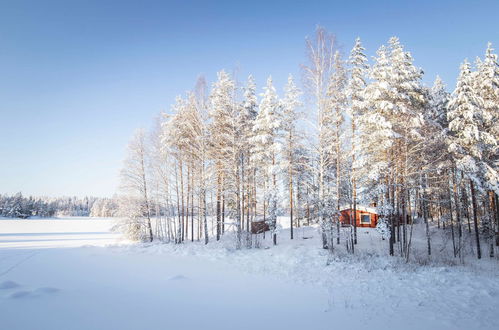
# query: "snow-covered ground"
x,y
76,274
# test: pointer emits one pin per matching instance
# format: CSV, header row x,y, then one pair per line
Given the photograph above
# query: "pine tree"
x,y
488,88
396,102
376,139
486,84
248,115
222,105
334,118
290,104
266,149
466,138
356,86
438,101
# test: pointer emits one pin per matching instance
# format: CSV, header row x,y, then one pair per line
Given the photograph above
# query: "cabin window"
x,y
365,218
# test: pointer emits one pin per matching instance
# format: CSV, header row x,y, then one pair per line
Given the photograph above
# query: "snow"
x,y
76,274
359,208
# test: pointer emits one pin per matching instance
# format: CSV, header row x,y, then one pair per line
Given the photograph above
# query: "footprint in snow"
x,y
8,285
47,290
32,294
21,294
178,278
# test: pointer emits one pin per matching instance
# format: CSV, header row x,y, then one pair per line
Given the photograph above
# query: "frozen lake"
x,y
76,274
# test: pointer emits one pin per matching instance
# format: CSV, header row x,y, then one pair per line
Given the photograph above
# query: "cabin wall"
x,y
346,217
258,227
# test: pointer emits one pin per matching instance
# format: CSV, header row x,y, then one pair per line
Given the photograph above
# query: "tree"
x,y
466,138
248,114
487,85
488,88
334,119
222,105
316,75
438,102
202,149
390,139
266,149
357,84
135,182
290,104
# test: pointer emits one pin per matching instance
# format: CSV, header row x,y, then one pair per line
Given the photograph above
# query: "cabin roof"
x,y
360,208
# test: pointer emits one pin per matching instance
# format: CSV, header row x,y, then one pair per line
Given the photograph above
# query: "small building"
x,y
365,216
258,227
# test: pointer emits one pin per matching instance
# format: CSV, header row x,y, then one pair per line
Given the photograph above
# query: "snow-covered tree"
x,y
486,85
374,135
487,81
222,105
247,115
136,185
317,74
465,141
333,126
355,92
390,138
438,102
265,150
290,115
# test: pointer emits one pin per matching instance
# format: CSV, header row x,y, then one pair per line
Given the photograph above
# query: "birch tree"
x,y
317,72
134,181
290,104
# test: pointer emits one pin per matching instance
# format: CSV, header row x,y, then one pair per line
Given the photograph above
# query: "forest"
x,y
19,206
350,131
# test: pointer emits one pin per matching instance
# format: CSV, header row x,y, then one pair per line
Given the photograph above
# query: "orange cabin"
x,y
365,216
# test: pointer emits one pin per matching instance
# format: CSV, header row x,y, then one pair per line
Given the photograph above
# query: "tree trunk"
x,y
187,205
192,205
390,219
465,203
182,200
223,208
219,216
451,216
354,212
290,174
205,218
178,235
146,197
475,220
291,206
338,181
238,203
458,213
274,205
425,215
457,204
491,234
496,212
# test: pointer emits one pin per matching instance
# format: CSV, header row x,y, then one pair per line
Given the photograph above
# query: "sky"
x,y
78,77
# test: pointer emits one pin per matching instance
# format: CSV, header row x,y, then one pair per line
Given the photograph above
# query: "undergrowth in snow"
x,y
367,279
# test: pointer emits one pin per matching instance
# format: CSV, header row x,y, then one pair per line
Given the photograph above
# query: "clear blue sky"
x,y
77,77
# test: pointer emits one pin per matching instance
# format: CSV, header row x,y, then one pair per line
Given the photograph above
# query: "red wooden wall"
x,y
346,218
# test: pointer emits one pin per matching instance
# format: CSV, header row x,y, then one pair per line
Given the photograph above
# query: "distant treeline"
x,y
19,206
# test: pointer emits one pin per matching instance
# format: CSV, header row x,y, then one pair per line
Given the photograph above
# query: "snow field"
x,y
76,274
